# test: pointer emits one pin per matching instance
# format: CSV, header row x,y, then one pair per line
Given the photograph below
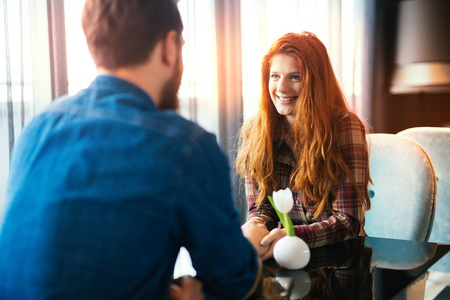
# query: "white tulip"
x,y
283,200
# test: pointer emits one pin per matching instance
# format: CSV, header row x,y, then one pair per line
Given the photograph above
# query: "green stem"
x,y
288,225
284,218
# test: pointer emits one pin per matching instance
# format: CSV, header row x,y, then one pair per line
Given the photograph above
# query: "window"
x,y
80,66
198,90
25,77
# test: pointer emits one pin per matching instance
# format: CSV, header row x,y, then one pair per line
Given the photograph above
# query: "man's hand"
x,y
254,230
270,240
186,288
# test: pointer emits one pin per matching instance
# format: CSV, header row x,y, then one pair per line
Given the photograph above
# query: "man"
x,y
107,185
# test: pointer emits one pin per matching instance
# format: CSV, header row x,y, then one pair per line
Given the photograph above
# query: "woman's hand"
x,y
186,288
270,240
255,230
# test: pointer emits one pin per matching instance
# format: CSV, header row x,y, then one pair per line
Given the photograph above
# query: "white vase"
x,y
291,252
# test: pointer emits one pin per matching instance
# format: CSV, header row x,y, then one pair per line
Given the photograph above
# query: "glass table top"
x,y
362,268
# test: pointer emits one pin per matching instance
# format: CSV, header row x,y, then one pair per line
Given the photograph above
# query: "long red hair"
x,y
320,164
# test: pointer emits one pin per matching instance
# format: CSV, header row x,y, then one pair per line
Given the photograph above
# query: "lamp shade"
x,y
422,61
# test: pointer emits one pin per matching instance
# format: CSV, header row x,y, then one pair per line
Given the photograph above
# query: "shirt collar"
x,y
284,154
115,85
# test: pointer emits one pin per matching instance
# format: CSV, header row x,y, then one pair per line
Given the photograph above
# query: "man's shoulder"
x,y
123,118
191,139
121,113
178,127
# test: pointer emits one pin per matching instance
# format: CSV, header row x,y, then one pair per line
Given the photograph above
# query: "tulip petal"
x,y
283,200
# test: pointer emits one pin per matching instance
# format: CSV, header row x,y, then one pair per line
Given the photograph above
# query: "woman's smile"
x,y
286,99
284,84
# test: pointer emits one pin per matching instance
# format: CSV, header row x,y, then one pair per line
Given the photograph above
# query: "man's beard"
x,y
169,94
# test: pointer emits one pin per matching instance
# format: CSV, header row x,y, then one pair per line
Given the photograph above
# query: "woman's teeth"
x,y
286,99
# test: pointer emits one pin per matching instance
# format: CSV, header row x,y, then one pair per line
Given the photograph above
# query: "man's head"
x,y
122,33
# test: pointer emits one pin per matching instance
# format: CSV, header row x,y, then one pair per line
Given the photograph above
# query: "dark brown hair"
x,y
123,33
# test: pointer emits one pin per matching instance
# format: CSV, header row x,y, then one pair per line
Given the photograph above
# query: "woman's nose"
x,y
283,85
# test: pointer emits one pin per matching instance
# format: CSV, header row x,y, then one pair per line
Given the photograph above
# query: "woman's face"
x,y
284,85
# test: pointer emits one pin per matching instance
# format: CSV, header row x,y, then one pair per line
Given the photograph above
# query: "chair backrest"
x,y
436,142
403,191
400,255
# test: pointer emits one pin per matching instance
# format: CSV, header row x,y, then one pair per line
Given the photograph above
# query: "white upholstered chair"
x,y
403,191
436,142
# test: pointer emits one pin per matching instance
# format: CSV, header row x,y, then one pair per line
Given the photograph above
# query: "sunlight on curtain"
x,y
338,24
16,100
198,91
80,66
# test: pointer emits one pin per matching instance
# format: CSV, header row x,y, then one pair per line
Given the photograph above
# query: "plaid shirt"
x,y
348,220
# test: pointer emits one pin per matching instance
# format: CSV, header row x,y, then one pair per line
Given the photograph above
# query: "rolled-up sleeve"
x,y
265,211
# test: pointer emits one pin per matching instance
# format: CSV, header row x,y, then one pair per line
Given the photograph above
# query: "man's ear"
x,y
170,48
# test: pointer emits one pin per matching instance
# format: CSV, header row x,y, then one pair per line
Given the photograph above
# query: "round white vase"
x,y
291,252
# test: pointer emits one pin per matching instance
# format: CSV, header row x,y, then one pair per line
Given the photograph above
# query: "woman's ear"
x,y
170,48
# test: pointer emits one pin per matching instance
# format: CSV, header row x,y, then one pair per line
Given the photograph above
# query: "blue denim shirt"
x,y
104,189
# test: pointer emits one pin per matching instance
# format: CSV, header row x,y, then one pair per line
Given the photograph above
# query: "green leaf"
x,y
284,218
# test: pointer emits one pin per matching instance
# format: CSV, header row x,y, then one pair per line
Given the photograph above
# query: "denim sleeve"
x,y
206,222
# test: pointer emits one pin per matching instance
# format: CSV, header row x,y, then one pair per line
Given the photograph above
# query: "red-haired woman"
x,y
304,137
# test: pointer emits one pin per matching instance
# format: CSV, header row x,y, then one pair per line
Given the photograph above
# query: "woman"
x,y
306,138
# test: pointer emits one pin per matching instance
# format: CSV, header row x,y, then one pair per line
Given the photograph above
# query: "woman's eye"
x,y
295,77
274,76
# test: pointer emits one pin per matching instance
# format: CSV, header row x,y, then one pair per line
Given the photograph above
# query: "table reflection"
x,y
361,268
341,271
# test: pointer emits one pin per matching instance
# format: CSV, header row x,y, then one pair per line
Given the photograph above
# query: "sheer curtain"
x,y
24,79
198,91
337,23
80,66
